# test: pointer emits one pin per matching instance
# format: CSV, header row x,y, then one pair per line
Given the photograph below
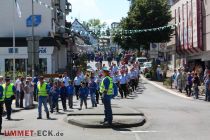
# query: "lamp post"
x,y
32,67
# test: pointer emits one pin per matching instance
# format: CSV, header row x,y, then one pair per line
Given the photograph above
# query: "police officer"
x,y
9,91
106,88
1,103
42,97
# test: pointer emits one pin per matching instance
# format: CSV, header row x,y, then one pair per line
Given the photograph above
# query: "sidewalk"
x,y
171,90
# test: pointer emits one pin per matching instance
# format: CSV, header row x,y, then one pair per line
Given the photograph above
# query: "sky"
x,y
106,10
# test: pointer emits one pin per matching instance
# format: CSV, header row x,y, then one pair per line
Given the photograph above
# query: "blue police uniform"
x,y
107,102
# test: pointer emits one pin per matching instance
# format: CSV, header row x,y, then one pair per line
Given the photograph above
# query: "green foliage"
x,y
145,14
167,82
147,75
95,25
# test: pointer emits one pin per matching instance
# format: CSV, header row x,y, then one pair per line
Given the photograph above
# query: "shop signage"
x,y
42,50
10,50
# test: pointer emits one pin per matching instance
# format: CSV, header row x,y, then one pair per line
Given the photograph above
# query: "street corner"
x,y
96,120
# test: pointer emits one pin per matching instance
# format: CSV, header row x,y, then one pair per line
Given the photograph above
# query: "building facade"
x,y
51,44
192,35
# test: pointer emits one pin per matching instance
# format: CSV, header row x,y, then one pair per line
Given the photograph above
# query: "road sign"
x,y
37,20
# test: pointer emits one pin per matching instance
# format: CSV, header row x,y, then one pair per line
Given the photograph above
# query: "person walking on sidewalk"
x,y
83,94
196,83
2,96
106,88
70,93
42,98
179,80
189,84
9,91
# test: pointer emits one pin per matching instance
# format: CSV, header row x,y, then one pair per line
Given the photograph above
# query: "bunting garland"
x,y
113,32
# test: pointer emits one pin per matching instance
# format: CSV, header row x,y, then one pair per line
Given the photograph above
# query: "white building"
x,y
52,48
79,28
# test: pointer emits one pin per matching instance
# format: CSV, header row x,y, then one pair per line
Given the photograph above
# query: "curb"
x,y
167,90
95,114
114,125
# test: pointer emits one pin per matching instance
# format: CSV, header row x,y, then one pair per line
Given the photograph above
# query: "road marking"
x,y
140,131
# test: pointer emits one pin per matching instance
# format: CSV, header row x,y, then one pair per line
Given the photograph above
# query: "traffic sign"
x,y
37,20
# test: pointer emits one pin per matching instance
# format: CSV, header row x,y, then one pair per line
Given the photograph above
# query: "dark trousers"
x,y
54,105
83,100
1,113
123,90
70,98
107,109
133,84
188,90
8,104
97,97
63,100
77,91
21,99
35,94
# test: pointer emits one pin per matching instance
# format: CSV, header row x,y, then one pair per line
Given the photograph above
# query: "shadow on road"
x,y
16,120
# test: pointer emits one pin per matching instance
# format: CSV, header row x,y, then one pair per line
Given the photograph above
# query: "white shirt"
x,y
66,81
123,79
77,81
17,84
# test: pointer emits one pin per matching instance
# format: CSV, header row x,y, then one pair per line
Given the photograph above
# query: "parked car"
x,y
146,67
141,60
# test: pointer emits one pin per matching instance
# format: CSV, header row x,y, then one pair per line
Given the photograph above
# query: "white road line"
x,y
139,131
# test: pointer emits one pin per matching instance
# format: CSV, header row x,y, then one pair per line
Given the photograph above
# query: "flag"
x,y
18,9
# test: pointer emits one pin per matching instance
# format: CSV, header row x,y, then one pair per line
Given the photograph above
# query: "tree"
x,y
146,14
95,25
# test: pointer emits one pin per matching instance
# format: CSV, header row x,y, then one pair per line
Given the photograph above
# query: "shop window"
x,y
20,65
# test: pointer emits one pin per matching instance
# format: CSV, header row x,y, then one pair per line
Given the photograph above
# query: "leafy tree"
x,y
95,25
145,14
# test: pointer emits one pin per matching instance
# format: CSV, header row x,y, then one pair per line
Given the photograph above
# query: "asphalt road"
x,y
168,118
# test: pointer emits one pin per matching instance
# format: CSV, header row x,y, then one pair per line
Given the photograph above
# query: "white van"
x,y
141,60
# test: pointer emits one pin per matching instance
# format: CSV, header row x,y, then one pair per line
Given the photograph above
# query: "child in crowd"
x,y
63,95
70,93
93,88
83,94
54,91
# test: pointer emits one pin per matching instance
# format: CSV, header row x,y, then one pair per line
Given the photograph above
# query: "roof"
x,y
22,42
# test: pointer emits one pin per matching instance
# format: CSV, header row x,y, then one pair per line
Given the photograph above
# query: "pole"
x,y
13,39
32,39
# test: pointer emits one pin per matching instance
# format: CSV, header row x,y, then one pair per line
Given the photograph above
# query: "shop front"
x,y
21,61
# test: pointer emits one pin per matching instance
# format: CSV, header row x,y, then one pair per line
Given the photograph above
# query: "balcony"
x,y
68,8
